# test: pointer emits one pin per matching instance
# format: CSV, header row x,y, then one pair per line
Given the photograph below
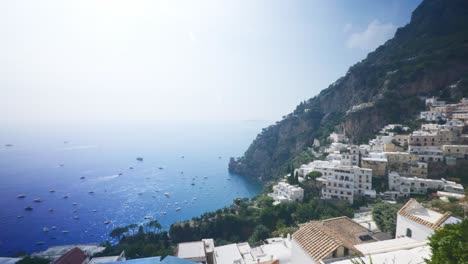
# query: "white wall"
x,y
298,255
419,232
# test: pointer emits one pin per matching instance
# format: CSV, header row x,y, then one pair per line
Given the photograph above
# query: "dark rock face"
x,y
427,57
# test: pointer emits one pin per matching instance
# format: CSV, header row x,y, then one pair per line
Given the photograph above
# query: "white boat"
x,y
65,231
163,212
76,217
178,209
38,200
45,229
21,195
53,227
107,222
167,194
74,203
148,217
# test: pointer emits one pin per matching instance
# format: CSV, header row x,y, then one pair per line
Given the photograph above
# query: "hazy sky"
x,y
184,60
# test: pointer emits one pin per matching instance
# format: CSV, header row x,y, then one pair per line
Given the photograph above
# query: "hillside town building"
x,y
285,192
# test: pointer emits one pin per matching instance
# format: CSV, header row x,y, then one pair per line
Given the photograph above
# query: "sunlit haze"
x,y
180,60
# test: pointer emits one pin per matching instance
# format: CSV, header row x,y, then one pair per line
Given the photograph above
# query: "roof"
x,y
104,259
4,260
227,254
191,250
415,255
74,256
389,245
152,260
417,213
321,238
174,260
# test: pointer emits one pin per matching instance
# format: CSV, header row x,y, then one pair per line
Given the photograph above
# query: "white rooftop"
x,y
413,256
426,214
191,250
9,260
104,259
228,254
389,245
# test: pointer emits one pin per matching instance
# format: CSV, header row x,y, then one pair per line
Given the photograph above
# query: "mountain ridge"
x,y
426,57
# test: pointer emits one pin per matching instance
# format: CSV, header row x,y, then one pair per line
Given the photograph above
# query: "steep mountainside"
x,y
427,57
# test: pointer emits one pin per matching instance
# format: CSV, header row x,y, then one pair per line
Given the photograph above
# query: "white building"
x,y
432,116
407,185
335,137
277,249
343,182
335,238
427,153
284,192
197,251
419,223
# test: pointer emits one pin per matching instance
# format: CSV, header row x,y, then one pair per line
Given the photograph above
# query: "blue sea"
x,y
91,164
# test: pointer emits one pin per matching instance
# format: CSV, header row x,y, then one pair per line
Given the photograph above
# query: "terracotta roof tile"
x,y
74,256
320,238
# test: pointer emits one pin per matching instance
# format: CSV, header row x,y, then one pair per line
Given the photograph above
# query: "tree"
x,y
261,232
33,260
385,216
449,245
314,175
118,232
154,226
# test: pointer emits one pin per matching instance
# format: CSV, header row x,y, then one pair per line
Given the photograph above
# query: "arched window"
x,y
409,233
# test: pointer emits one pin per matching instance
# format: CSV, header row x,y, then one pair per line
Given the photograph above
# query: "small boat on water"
x,y
94,211
53,227
82,177
8,145
139,158
51,190
19,216
161,168
40,243
45,229
38,200
65,231
61,165
74,211
182,157
167,194
76,217
131,168
163,212
65,197
21,196
51,210
178,209
120,174
28,208
53,238
91,192
74,203
148,217
140,193
107,222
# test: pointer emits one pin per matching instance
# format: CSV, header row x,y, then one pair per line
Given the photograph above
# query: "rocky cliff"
x,y
427,57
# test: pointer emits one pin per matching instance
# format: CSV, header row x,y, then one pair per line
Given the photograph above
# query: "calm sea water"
x,y
187,160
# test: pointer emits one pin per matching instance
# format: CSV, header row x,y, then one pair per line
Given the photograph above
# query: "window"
x,y
409,233
346,251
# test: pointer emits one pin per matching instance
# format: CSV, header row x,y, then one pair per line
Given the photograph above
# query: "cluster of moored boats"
x,y
107,222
